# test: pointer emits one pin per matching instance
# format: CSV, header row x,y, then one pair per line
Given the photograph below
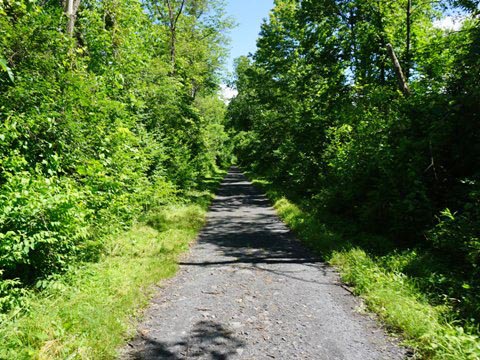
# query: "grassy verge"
x,y
89,312
429,328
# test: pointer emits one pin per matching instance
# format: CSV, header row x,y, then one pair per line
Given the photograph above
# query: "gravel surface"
x,y
249,290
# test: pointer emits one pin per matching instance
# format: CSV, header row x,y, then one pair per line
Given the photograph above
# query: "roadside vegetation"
x,y
90,311
363,116
110,123
400,286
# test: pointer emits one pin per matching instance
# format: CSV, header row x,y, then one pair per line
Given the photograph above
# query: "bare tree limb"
x,y
182,5
402,83
408,40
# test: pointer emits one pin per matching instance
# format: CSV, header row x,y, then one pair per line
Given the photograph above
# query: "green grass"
x,y
91,311
431,330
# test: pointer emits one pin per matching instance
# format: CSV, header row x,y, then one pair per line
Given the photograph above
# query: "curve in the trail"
x,y
249,290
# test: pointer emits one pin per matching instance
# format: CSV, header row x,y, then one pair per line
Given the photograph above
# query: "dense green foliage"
x,y
100,125
320,113
87,313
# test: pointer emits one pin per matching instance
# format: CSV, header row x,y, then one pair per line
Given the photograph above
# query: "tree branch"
x,y
402,83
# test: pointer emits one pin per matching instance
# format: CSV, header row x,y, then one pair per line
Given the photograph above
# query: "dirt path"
x,y
249,290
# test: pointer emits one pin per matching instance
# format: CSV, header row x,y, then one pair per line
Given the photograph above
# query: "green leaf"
x,y
4,67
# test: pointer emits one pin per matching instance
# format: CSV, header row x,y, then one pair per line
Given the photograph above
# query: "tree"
x,y
169,12
321,115
101,132
72,7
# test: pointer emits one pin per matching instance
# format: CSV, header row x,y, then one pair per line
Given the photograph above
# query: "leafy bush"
x,y
99,127
43,222
458,234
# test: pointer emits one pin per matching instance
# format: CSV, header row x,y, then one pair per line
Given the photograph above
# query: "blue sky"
x,y
248,15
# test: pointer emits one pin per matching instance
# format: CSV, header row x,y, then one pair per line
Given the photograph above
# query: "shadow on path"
x,y
256,239
207,340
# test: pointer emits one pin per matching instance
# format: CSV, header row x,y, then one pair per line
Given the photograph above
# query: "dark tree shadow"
x,y
256,240
207,340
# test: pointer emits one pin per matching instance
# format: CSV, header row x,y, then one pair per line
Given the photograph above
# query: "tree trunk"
x,y
173,16
173,43
72,8
355,61
402,83
407,49
382,65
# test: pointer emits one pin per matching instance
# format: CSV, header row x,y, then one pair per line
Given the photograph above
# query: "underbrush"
x,y
398,285
88,312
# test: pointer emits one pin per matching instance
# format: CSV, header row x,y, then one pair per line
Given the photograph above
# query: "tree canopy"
x,y
100,122
321,113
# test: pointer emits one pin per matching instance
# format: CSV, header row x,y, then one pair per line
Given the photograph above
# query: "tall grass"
x,y
432,330
88,313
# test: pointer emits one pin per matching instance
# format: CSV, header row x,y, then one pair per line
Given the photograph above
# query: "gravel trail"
x,y
249,290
